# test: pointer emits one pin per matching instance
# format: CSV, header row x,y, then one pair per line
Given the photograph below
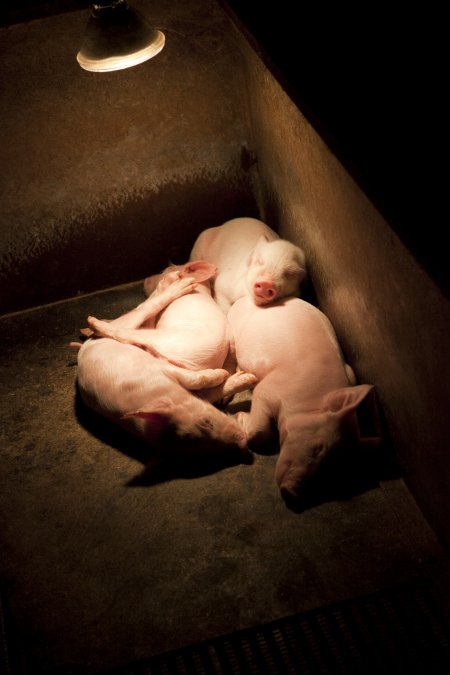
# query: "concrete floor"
x,y
100,569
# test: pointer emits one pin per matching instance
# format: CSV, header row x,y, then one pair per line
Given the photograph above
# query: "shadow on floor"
x,y
345,474
158,466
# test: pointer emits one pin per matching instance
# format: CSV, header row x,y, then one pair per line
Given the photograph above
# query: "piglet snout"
x,y
264,291
291,485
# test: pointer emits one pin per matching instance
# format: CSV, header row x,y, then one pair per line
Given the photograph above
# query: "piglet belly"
x,y
193,347
193,330
251,358
114,378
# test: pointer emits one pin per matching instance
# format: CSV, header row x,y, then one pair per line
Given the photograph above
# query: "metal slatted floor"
x,y
399,631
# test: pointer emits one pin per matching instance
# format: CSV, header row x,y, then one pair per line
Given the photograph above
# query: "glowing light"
x,y
117,37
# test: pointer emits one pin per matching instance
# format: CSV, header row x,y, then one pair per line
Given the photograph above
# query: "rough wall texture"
x,y
365,82
392,320
104,177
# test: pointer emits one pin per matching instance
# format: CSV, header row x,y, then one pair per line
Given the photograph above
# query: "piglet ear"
x,y
200,270
156,420
347,398
145,415
357,406
253,256
263,239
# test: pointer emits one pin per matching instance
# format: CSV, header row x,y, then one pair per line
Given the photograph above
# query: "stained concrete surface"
x,y
121,162
100,569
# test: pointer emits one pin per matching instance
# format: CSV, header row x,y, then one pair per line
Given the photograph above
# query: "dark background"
x,y
372,79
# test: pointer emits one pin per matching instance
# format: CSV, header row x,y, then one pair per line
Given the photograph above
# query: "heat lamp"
x,y
117,37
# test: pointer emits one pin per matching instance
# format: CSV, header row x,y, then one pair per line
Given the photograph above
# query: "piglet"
x,y
251,259
190,332
304,386
151,396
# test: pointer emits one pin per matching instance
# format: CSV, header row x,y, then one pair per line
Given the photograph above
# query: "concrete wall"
x,y
391,318
105,177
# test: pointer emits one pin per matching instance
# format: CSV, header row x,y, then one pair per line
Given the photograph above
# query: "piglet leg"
x,y
234,384
140,337
198,379
257,424
151,307
151,283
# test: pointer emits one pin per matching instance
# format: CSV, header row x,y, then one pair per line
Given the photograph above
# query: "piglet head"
x,y
191,427
313,435
275,270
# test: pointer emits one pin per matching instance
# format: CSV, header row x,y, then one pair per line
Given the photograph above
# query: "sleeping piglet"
x,y
304,385
191,331
150,395
251,259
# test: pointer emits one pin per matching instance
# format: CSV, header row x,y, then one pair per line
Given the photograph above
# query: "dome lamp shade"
x,y
117,37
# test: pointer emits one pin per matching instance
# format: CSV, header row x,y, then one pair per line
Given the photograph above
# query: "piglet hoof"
x,y
182,287
240,381
246,456
211,377
100,327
